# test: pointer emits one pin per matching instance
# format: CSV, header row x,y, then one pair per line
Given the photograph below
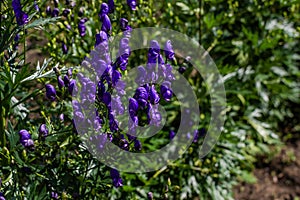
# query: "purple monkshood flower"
x,y
48,10
61,83
167,95
116,75
171,134
54,195
141,95
150,196
1,196
154,97
168,73
36,7
133,107
106,24
123,54
141,74
66,12
113,123
124,24
43,130
100,37
64,48
81,27
79,117
123,144
55,12
181,69
111,6
137,145
21,17
70,72
130,137
50,92
153,52
169,52
66,80
61,117
165,91
101,89
132,4
116,179
117,107
80,12
196,136
72,87
125,28
106,98
17,37
104,9
25,138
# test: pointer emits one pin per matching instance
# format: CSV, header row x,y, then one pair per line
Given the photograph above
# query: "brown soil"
x,y
278,179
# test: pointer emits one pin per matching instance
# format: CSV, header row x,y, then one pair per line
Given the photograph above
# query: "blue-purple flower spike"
x,y
21,16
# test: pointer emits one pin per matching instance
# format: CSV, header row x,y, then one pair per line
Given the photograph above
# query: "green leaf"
x,y
41,22
39,73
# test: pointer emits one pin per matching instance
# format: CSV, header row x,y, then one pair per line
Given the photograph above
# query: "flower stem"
x,y
2,127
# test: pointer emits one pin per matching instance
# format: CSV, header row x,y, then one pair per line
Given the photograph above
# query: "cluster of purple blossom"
x,y
146,97
106,8
144,102
68,16
109,74
25,136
